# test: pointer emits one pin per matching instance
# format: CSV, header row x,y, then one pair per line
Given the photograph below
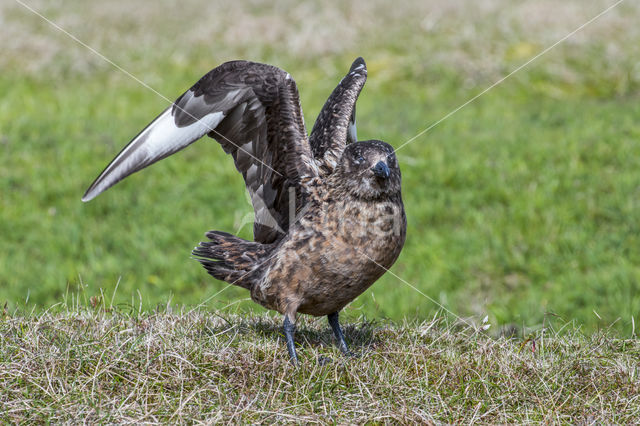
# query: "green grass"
x,y
523,204
114,365
523,207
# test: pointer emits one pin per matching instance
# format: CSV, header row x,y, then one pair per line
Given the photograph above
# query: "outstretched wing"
x,y
253,111
335,126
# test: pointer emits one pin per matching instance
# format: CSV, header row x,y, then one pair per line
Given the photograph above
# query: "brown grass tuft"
x,y
208,367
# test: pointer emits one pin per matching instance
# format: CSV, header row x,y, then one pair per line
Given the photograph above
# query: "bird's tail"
x,y
232,259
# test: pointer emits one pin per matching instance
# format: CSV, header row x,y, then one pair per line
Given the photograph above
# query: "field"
x,y
98,364
524,205
517,293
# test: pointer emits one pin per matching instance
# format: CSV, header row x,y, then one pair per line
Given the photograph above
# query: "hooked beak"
x,y
381,170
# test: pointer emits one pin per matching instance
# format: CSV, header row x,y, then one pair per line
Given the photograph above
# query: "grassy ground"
x,y
193,367
522,204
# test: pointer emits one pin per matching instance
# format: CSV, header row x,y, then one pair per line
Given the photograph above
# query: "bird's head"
x,y
368,170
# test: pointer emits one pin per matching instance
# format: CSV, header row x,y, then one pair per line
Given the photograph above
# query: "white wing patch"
x,y
158,140
352,134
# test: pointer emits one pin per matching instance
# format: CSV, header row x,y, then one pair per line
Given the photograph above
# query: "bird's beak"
x,y
381,170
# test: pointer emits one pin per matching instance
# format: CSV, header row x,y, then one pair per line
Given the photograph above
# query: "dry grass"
x,y
89,365
204,367
476,38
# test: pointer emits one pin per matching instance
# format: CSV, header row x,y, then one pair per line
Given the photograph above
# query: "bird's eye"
x,y
359,159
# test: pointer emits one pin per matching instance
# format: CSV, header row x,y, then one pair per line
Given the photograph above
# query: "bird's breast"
x,y
355,245
363,234
332,255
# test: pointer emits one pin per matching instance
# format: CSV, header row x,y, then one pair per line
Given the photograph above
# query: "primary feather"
x,y
335,126
253,111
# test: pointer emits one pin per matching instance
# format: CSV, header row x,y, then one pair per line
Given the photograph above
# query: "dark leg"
x,y
289,330
335,325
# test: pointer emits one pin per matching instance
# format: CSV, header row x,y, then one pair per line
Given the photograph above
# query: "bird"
x,y
329,217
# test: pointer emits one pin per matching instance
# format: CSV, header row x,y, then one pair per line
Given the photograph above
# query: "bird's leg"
x,y
289,330
335,326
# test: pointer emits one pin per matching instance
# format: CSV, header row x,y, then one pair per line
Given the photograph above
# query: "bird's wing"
x,y
253,111
335,126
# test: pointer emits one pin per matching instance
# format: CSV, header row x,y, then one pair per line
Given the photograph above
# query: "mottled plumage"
x,y
329,218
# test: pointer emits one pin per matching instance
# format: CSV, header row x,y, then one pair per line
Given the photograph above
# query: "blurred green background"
x,y
522,204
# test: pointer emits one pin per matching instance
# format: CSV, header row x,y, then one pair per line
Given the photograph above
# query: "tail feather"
x,y
230,258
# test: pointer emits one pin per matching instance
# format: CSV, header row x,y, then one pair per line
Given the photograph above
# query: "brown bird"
x,y
329,218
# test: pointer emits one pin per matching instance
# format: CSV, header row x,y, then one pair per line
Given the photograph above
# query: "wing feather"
x,y
253,111
335,126
158,140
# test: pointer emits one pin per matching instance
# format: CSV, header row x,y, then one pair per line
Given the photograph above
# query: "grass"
x,y
523,208
118,365
521,205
